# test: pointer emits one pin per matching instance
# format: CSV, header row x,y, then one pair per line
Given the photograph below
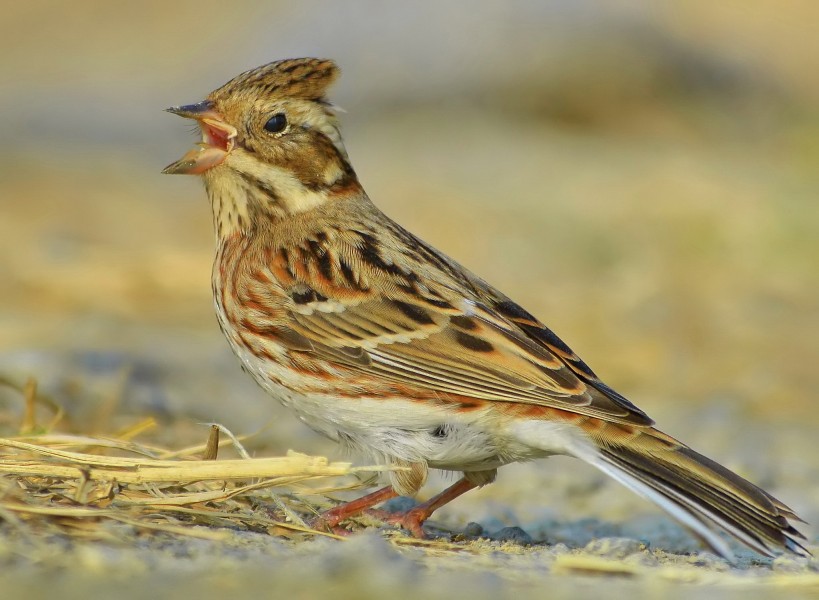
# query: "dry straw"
x,y
78,483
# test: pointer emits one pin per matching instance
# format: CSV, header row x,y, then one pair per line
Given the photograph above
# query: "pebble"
x,y
512,534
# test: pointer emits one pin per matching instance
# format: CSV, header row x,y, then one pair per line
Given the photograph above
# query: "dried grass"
x,y
74,484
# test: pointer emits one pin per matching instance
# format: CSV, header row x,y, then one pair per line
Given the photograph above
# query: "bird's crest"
x,y
306,78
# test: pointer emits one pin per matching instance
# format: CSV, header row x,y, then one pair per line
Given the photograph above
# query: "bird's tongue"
x,y
217,141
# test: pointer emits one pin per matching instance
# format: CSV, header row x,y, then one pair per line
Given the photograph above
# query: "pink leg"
x,y
334,516
413,519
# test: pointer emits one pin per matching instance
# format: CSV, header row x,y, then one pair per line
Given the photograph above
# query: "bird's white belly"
x,y
394,428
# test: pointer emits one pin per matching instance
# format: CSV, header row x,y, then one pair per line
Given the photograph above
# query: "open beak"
x,y
218,139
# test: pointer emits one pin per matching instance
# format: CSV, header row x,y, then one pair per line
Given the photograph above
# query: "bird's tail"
x,y
700,493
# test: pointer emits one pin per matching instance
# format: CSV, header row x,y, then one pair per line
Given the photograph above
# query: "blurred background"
x,y
642,176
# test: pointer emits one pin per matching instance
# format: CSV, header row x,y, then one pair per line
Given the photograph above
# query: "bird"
x,y
384,344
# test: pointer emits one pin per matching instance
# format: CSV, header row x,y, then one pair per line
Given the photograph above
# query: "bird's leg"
x,y
413,519
330,518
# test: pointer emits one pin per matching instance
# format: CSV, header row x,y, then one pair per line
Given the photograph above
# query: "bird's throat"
x,y
241,199
230,201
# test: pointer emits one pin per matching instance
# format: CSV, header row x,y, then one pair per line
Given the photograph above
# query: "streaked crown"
x,y
306,78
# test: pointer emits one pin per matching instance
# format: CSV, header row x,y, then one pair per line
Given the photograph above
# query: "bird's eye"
x,y
276,123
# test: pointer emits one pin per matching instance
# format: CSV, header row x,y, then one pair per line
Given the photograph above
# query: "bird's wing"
x,y
403,312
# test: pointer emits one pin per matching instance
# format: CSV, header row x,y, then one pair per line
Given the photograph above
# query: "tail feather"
x,y
701,493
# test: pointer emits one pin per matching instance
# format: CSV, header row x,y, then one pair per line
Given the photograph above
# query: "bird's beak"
x,y
218,139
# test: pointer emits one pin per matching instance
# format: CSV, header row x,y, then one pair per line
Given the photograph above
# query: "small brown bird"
x,y
379,341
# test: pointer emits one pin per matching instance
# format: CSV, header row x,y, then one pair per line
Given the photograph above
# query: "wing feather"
x,y
392,307
474,352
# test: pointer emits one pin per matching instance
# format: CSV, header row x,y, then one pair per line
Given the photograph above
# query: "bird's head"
x,y
270,139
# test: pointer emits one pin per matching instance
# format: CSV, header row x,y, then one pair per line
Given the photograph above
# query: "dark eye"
x,y
276,123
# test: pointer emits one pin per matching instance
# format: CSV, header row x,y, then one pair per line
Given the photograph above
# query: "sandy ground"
x,y
661,217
